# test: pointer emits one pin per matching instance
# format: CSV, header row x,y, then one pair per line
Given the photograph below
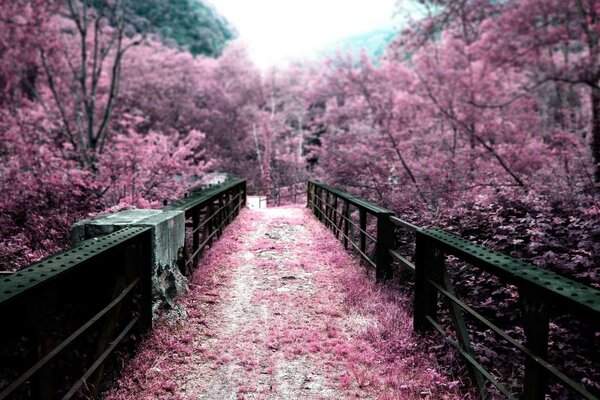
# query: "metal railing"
x,y
63,317
541,293
85,299
277,194
207,212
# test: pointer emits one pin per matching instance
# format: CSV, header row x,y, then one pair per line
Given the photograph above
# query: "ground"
x,y
278,310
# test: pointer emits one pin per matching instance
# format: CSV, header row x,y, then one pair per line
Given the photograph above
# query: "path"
x,y
278,310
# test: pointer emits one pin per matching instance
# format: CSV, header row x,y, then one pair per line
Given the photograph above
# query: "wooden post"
x,y
535,324
429,264
346,223
363,229
385,242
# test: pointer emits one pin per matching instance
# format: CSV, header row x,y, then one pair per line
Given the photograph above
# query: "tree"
x,y
84,80
191,24
553,46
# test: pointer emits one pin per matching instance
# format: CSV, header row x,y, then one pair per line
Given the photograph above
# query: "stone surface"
x,y
168,239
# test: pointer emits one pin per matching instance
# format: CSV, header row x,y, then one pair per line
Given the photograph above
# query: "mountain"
x,y
374,43
191,24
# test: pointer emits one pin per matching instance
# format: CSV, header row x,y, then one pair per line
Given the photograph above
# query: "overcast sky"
x,y
281,30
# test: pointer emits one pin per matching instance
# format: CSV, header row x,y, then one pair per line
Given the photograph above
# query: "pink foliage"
x,y
278,309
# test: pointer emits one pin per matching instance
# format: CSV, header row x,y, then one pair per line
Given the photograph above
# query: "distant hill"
x,y
374,43
190,24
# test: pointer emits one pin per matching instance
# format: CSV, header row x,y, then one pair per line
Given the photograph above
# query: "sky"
x,y
277,31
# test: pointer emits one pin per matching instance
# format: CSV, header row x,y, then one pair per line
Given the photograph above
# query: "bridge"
x,y
274,308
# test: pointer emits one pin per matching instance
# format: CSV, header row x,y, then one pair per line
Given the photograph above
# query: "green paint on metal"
x,y
14,285
562,290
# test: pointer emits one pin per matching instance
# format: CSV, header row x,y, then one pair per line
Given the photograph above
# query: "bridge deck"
x,y
278,310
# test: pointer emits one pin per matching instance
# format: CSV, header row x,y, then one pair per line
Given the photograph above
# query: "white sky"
x,y
281,30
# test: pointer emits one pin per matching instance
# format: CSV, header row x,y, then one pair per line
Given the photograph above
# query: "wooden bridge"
x,y
66,316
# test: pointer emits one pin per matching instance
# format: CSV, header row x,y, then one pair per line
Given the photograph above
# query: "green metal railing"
x,y
207,212
541,293
63,318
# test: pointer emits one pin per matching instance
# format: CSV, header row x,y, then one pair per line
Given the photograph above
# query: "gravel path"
x,y
272,314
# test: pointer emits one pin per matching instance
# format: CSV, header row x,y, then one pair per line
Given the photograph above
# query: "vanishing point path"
x,y
278,310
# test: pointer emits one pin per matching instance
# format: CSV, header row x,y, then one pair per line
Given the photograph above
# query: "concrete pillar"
x,y
168,238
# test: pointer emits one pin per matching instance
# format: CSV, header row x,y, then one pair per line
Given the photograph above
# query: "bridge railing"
x,y
86,299
63,317
207,212
276,195
541,293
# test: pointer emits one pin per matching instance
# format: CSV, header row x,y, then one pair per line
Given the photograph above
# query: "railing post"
x,y
346,223
221,216
210,225
321,215
144,268
307,194
326,209
535,324
229,208
334,216
363,229
428,266
195,238
385,242
245,196
41,309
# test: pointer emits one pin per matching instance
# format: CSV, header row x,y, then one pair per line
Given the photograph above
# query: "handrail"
x,y
116,270
43,273
89,298
357,201
207,212
540,291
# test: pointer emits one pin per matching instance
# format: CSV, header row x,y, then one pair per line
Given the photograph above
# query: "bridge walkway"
x,y
278,310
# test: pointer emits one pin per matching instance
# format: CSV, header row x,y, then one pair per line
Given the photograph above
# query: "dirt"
x,y
270,317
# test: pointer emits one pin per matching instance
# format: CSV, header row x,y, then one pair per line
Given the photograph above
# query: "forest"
x,y
482,118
